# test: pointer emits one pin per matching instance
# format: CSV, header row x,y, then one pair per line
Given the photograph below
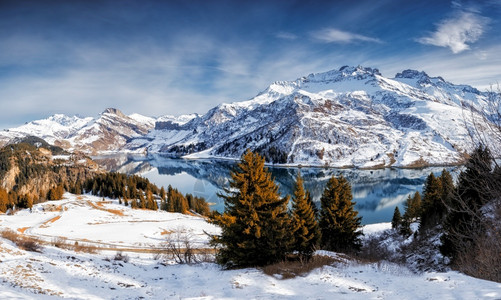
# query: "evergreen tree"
x,y
405,228
4,200
412,207
464,222
162,193
432,205
447,190
397,219
255,222
314,207
304,224
170,199
339,221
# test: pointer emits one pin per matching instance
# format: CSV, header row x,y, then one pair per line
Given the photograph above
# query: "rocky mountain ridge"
x,y
350,117
109,132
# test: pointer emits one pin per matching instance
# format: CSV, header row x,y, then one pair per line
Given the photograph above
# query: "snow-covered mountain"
x,y
341,118
56,127
109,132
348,117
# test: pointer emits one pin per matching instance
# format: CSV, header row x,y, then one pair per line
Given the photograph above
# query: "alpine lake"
x,y
376,192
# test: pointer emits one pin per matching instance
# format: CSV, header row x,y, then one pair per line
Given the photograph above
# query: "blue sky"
x,y
178,57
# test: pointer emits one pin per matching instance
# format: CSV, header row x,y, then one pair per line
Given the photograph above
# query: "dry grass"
x,y
22,230
23,242
46,223
52,207
165,232
84,248
99,206
61,242
293,268
25,276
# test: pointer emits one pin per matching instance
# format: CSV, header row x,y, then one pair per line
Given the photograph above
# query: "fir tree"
x,y
397,219
339,221
432,207
447,190
405,228
412,207
464,222
162,193
314,207
255,222
304,224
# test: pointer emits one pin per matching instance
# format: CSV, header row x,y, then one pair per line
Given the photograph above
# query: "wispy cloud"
x,y
457,32
286,35
333,35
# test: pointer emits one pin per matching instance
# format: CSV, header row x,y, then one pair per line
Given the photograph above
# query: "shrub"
x,y
23,242
291,268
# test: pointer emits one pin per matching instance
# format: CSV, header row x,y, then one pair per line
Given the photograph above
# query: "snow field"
x,y
58,273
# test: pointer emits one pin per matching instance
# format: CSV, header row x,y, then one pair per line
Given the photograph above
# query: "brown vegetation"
x,y
99,206
23,242
291,268
46,223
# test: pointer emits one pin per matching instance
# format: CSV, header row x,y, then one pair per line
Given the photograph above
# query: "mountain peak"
x,y
420,76
350,70
113,111
412,74
344,72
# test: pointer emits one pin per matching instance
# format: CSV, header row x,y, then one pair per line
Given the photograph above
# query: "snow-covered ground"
x,y
58,273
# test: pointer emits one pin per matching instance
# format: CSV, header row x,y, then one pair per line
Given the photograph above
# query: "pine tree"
x,y
405,228
162,193
339,221
447,190
4,200
412,207
397,219
432,207
304,224
464,222
255,223
316,213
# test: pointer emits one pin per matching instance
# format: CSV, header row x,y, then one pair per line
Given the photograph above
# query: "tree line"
x,y
138,192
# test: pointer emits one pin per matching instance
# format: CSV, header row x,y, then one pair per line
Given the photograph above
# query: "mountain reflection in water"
x,y
376,192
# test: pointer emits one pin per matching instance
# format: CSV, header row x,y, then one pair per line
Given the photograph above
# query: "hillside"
x,y
31,169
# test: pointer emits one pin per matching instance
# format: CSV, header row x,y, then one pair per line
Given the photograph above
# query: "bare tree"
x,y
472,236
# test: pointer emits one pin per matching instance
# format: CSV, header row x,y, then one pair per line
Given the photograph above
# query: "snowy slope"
x,y
56,127
110,131
348,117
57,273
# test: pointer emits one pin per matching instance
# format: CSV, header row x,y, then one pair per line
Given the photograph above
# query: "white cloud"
x,y
333,35
458,32
286,35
